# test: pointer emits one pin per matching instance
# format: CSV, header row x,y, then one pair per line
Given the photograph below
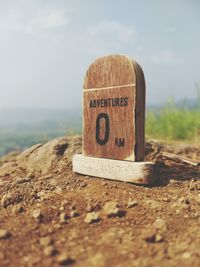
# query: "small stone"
x,y
159,238
194,215
132,203
37,215
30,175
65,259
74,213
183,200
92,217
193,185
63,217
152,237
22,180
9,199
160,224
82,184
58,190
18,209
111,209
46,241
89,207
186,255
173,182
4,234
50,251
166,199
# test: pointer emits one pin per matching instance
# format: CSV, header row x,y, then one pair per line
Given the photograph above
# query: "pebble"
x,y
22,180
46,241
50,251
63,217
37,215
74,213
132,203
30,175
111,209
160,224
92,217
65,259
186,255
18,209
166,199
58,190
82,184
9,199
183,200
89,207
193,185
152,237
4,234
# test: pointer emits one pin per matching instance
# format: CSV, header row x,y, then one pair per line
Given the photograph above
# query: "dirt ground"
x,y
50,216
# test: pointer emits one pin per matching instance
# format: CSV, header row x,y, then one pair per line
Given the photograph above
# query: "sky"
x,y
46,47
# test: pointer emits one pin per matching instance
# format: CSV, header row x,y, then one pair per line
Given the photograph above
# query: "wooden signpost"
x,y
113,122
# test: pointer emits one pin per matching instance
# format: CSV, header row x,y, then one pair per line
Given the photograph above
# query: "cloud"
x,y
108,35
17,20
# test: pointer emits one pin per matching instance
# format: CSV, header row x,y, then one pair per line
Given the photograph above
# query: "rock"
x,y
74,213
92,217
4,234
160,224
31,175
50,251
42,157
37,215
183,200
89,207
65,259
18,209
63,217
186,255
22,180
46,241
165,199
132,203
58,190
193,185
151,236
82,184
10,199
111,209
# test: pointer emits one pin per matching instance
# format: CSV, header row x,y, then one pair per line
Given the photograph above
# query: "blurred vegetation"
x,y
17,138
174,123
171,122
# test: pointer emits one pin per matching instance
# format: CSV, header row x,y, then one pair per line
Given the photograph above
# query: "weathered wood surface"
x,y
180,159
126,171
114,109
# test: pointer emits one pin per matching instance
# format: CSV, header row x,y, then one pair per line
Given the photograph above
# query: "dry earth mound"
x,y
50,216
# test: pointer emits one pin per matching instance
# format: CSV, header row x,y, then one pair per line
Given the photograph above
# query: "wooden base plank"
x,y
126,171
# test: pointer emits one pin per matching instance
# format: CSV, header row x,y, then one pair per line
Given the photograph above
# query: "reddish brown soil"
x,y
160,229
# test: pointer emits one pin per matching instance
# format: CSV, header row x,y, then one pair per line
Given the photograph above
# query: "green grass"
x,y
172,123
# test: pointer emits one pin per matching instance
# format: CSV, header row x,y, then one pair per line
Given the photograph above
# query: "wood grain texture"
x,y
108,71
126,171
114,85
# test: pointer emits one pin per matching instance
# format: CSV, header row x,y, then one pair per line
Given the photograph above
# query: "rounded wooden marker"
x,y
114,109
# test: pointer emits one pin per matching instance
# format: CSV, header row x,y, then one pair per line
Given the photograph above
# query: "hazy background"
x,y
46,47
